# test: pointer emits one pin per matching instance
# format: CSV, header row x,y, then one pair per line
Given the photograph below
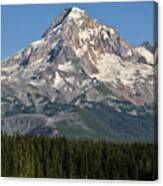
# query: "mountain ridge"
x,y
80,66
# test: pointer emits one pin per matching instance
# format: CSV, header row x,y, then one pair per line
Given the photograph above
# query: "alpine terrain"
x,y
81,79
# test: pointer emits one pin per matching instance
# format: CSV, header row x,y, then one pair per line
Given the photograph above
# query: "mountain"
x,y
81,79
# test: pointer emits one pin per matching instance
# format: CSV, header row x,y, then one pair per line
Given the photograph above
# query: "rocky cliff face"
x,y
77,70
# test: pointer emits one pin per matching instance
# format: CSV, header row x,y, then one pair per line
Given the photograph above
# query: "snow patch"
x,y
81,52
76,9
85,34
38,83
66,67
104,33
58,81
56,29
112,31
54,45
112,69
28,51
145,53
109,29
133,112
70,80
76,14
34,83
10,68
35,44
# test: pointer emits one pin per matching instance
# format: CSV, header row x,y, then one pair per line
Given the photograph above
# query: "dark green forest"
x,y
59,157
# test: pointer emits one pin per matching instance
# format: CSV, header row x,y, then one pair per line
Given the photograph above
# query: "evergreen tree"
x,y
28,156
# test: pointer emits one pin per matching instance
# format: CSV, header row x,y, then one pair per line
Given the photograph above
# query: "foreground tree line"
x,y
28,156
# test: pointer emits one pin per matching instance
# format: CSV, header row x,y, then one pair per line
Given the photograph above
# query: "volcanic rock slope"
x,y
80,80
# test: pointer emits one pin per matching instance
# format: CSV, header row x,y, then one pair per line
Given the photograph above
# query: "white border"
x,y
65,182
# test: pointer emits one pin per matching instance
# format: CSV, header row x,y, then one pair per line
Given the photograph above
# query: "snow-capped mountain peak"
x,y
80,69
69,14
76,50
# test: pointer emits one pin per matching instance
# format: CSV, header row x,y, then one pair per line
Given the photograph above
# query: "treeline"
x,y
28,156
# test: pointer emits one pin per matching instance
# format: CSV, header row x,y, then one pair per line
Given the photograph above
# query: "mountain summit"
x,y
73,13
80,79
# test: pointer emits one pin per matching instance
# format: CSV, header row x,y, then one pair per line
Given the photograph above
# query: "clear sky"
x,y
22,24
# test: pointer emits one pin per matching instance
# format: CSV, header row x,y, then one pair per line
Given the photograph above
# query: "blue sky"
x,y
22,24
